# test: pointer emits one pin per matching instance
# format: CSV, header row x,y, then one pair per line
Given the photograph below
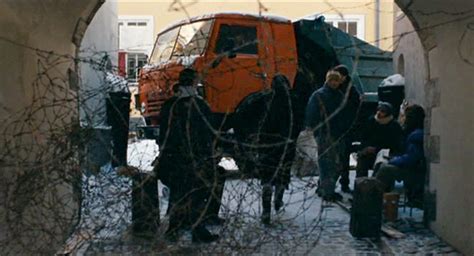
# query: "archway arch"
x,y
39,42
440,27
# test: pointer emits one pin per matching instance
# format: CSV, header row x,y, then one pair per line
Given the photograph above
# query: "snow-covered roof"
x,y
273,18
308,17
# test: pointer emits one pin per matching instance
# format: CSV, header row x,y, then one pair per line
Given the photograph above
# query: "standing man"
x,y
275,160
268,120
327,120
351,111
186,161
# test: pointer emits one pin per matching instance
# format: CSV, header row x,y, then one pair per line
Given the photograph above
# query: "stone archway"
x,y
443,29
39,43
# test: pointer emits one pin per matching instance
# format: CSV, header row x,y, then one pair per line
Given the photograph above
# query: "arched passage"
x,y
446,92
445,31
39,42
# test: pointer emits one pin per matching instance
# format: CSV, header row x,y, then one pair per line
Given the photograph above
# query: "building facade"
x,y
99,50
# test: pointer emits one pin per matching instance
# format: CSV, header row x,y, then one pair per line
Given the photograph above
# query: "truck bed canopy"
x,y
322,46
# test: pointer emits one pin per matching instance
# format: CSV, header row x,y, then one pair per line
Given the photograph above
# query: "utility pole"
x,y
377,23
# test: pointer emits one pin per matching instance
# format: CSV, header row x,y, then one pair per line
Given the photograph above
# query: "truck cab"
x,y
234,54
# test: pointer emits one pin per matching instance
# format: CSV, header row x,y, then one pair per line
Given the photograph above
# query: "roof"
x,y
228,15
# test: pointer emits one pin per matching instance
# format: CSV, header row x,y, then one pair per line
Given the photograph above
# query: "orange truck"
x,y
239,54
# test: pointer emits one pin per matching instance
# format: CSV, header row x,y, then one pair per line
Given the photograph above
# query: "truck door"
x,y
240,72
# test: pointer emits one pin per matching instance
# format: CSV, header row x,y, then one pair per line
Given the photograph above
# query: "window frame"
x,y
204,48
248,25
359,19
136,58
150,28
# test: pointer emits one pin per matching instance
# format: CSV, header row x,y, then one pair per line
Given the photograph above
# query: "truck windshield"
x,y
164,46
187,40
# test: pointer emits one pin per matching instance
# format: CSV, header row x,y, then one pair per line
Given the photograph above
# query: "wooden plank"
x,y
391,232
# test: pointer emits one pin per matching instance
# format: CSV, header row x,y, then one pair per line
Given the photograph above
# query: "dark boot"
x,y
333,197
200,234
344,181
215,197
215,220
278,201
345,188
266,204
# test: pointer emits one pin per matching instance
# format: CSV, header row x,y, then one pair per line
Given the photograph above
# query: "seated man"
x,y
409,166
380,132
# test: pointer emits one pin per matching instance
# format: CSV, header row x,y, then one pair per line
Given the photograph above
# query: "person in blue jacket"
x,y
411,161
326,118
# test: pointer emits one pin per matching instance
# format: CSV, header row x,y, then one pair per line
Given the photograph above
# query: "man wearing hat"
x,y
186,163
351,111
380,132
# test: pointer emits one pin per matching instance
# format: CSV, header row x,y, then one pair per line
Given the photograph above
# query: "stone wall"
x,y
446,34
38,115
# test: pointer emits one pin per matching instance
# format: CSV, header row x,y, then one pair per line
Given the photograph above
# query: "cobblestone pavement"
x,y
306,226
303,228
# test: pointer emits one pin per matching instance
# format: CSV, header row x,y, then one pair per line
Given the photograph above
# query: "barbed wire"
x,y
51,187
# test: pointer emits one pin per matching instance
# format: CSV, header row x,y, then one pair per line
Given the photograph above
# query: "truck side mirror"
x,y
231,55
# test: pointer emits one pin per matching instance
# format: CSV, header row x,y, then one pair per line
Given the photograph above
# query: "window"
x,y
134,24
135,61
164,46
187,40
239,39
348,27
351,24
192,39
136,34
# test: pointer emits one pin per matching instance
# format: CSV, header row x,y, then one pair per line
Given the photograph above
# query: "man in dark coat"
x,y
351,111
327,120
410,165
277,146
380,132
185,162
267,117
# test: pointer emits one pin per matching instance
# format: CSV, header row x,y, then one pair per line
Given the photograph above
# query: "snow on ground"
x,y
305,226
141,153
106,196
106,203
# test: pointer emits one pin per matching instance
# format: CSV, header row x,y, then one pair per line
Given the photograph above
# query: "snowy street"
x,y
306,225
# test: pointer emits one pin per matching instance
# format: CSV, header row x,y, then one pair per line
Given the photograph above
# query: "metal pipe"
x,y
377,23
